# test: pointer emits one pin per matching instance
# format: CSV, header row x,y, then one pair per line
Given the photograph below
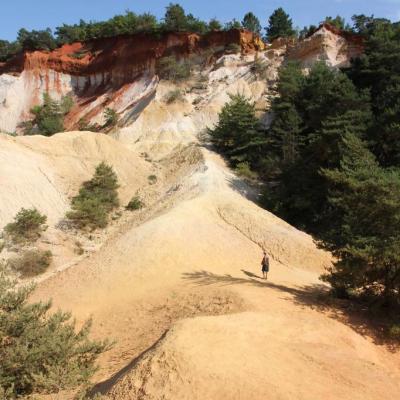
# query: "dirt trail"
x,y
178,285
160,285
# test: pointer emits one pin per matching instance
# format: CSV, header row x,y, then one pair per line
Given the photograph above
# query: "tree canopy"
x,y
279,25
251,23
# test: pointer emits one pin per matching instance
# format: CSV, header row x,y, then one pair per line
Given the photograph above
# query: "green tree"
x,y
175,18
338,22
195,25
111,118
234,24
27,226
214,25
8,49
285,132
170,68
378,71
41,352
364,233
237,133
310,116
146,23
49,117
36,40
251,23
96,199
307,31
279,25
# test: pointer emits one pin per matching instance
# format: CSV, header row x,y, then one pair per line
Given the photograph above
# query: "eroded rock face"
x,y
117,72
120,72
328,44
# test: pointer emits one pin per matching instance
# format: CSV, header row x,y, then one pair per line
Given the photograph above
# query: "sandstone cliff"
x,y
117,72
120,72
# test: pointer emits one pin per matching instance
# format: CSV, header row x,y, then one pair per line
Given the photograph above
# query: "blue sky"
x,y
40,14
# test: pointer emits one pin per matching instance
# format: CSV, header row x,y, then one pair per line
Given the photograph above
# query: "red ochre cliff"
x,y
118,71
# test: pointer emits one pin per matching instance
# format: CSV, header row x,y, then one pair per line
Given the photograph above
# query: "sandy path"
x,y
199,258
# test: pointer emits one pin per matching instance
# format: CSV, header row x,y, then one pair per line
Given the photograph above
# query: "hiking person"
x,y
265,265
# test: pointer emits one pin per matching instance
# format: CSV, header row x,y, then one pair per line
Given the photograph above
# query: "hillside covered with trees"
x,y
330,159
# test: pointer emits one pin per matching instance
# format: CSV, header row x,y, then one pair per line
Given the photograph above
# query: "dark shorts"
x,y
265,268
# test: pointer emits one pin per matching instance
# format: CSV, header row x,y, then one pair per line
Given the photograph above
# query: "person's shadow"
x,y
250,274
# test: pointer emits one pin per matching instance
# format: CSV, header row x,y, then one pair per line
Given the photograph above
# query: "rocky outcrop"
x,y
117,72
328,44
120,72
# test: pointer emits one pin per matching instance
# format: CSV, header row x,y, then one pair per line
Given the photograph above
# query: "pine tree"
x,y
311,115
214,25
251,23
96,199
378,71
338,22
364,233
279,25
237,134
175,18
41,352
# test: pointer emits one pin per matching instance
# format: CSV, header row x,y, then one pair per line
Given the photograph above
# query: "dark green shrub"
x,y
31,262
27,226
152,179
96,199
237,134
170,68
48,117
135,204
41,353
279,25
111,118
88,212
251,23
173,96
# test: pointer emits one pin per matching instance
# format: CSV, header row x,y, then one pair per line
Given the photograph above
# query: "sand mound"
x,y
195,249
42,172
259,356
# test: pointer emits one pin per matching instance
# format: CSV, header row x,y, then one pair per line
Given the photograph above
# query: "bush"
x,y
48,117
27,226
96,199
135,204
31,262
111,118
88,213
170,68
233,48
41,352
173,96
152,179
